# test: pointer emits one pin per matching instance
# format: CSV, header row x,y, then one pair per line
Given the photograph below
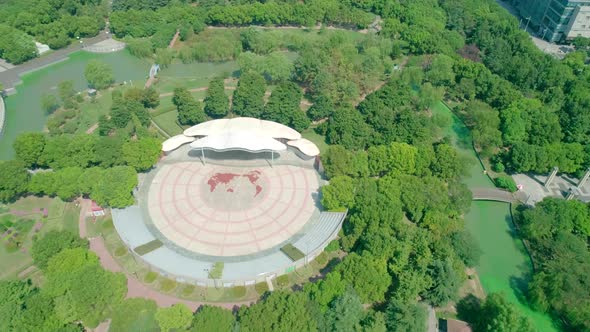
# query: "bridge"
x,y
499,195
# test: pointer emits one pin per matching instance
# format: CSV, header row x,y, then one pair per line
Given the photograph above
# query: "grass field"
x,y
61,216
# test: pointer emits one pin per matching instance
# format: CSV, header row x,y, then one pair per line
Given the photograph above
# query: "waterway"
x,y
504,267
23,109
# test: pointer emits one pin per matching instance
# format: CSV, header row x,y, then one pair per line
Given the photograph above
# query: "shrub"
x,y
120,251
322,258
188,290
283,281
261,287
334,245
238,291
150,277
506,182
166,285
498,167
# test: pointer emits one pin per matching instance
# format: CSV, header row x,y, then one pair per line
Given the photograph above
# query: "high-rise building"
x,y
556,20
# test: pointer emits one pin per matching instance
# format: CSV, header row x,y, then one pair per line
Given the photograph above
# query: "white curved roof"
x,y
307,147
261,127
239,140
175,142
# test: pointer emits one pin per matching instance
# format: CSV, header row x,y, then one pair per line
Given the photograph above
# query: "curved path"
x,y
2,115
134,287
11,77
492,194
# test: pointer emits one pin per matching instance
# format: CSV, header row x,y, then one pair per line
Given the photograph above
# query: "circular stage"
x,y
230,211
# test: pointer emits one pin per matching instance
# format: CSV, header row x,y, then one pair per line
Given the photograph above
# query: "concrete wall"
x,y
580,23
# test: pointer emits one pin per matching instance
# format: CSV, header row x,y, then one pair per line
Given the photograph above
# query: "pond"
x,y
504,267
23,109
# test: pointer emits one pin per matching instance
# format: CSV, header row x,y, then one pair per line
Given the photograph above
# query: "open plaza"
x,y
240,193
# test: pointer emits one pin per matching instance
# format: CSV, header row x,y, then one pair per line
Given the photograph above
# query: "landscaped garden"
x,y
25,220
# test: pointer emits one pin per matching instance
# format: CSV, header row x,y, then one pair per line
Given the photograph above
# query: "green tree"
x,y
345,312
368,276
214,319
495,314
484,123
248,98
190,111
67,93
348,128
136,314
339,194
216,102
29,147
446,281
114,188
13,295
322,108
405,317
283,106
280,311
49,103
140,47
142,154
150,98
14,180
52,243
466,247
176,317
98,74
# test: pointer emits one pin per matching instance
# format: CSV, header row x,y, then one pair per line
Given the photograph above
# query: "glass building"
x,y
556,20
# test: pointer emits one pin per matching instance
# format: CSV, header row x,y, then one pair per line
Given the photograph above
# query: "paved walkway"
x,y
134,287
11,77
106,46
2,115
490,194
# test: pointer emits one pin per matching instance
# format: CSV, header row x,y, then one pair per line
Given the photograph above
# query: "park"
x,y
221,160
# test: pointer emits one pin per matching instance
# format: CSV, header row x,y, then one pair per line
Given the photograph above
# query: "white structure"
x,y
579,24
246,134
175,142
41,48
306,147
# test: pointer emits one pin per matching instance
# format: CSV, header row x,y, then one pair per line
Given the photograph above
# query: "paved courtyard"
x,y
231,211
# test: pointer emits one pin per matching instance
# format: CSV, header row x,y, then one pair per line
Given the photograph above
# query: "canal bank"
x,y
505,266
23,110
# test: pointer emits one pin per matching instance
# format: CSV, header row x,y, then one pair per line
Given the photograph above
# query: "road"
x,y
11,77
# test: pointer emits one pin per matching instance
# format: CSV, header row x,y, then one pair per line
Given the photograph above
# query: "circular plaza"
x,y
238,193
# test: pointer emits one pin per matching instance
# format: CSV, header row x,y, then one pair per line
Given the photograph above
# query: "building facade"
x,y
556,20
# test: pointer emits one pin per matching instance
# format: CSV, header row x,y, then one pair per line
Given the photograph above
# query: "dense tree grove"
x,y
98,74
557,232
374,98
216,102
190,111
78,165
55,23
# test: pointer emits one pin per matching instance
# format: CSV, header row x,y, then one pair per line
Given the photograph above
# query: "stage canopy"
x,y
240,140
246,134
260,127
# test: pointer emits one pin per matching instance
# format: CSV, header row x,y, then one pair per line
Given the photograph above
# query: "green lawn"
x,y
193,75
91,111
167,122
61,215
316,138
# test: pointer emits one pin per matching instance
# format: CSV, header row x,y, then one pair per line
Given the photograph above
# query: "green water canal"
x,y
504,267
23,109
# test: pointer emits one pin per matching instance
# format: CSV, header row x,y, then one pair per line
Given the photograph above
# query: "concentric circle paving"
x,y
230,211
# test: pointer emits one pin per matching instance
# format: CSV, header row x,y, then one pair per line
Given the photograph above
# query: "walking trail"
x,y
134,287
